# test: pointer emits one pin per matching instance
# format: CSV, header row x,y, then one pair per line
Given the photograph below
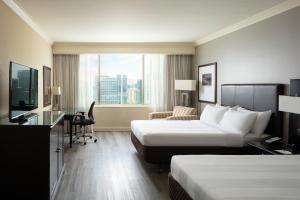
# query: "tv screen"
x,y
23,90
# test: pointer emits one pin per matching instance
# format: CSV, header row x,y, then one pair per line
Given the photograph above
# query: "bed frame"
x,y
176,192
256,97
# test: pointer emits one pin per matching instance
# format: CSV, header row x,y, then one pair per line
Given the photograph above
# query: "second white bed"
x,y
247,177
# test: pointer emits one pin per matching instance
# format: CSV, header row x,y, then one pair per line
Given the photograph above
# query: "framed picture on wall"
x,y
207,79
46,86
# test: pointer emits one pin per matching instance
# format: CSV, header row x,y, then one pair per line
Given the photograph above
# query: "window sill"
x,y
120,106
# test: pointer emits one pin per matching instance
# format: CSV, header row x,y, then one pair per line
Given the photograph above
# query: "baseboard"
x,y
115,128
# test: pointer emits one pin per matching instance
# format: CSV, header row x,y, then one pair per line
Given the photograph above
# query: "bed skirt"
x,y
163,154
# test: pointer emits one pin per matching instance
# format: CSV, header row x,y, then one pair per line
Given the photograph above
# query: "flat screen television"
x,y
23,90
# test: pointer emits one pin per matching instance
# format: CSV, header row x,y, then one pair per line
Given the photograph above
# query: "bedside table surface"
x,y
268,148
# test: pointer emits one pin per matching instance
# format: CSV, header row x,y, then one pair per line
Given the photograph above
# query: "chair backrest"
x,y
90,113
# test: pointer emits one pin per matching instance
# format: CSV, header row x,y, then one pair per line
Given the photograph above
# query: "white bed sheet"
x,y
247,177
183,133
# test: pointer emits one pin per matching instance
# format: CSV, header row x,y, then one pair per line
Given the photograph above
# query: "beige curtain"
x,y
65,75
179,68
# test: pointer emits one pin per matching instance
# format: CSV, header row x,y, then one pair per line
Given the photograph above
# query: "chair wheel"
x,y
73,141
95,140
84,143
91,137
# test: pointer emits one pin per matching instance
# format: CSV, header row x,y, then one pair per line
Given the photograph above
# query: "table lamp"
x,y
56,91
185,85
289,104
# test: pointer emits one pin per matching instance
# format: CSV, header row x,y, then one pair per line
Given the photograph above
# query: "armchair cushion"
x,y
184,117
160,115
182,111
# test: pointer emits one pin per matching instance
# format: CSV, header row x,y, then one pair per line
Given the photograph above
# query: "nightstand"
x,y
264,148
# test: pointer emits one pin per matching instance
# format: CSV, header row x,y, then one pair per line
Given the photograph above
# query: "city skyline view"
x,y
118,90
117,78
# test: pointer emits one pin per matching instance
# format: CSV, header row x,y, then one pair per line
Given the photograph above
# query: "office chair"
x,y
81,121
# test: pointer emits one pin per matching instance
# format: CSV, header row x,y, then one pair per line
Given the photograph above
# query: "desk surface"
x,y
43,118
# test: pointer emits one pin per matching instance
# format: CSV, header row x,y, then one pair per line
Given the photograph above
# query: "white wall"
x,y
266,52
19,43
118,118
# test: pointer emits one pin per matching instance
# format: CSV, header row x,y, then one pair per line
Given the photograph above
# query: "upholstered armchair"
x,y
179,113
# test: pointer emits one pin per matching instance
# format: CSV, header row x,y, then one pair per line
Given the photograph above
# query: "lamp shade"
x,y
289,104
56,90
189,85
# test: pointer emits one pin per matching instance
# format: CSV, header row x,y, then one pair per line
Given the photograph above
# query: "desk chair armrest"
x,y
80,117
82,113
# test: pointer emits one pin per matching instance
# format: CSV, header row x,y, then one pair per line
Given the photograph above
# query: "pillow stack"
x,y
237,122
236,119
213,114
261,122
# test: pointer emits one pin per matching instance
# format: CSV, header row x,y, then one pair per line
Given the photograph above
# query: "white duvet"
x,y
246,177
183,133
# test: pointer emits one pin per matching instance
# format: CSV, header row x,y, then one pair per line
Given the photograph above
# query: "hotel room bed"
x,y
230,177
157,141
183,133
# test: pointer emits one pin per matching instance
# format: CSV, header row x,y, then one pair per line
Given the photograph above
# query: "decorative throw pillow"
x,y
182,110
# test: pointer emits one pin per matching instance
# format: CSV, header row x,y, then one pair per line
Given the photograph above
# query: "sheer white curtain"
x,y
87,79
155,81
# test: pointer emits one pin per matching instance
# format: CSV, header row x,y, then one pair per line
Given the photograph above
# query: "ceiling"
x,y
138,20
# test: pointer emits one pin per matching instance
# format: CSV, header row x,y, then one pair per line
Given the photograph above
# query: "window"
x,y
113,78
121,79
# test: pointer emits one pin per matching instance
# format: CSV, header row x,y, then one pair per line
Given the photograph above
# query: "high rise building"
x,y
132,95
122,88
109,90
113,90
139,96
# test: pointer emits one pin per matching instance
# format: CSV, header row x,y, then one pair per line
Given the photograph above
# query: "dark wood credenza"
x,y
32,156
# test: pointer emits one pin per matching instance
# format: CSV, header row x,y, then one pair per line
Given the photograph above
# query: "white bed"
x,y
186,133
246,177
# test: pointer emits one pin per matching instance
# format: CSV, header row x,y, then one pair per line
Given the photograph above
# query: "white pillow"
x,y
213,114
261,121
234,107
237,122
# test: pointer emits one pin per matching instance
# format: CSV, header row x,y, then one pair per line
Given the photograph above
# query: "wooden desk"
x,y
32,159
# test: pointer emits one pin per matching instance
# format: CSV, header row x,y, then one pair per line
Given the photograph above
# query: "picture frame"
x,y
207,79
46,86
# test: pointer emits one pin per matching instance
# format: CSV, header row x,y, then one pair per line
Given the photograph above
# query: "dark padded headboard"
x,y
256,97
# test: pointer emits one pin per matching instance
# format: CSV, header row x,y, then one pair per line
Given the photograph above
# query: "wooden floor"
x,y
110,169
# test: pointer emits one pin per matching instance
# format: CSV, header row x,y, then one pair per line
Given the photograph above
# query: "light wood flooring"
x,y
110,169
